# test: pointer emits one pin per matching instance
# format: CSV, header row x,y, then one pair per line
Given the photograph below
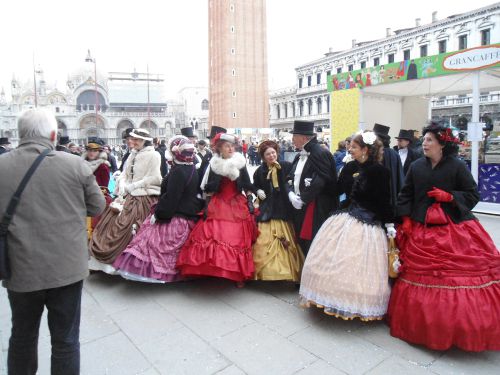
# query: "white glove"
x,y
116,174
295,200
391,231
307,181
261,194
152,220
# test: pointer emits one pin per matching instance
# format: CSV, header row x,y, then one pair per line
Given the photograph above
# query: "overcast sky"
x,y
172,35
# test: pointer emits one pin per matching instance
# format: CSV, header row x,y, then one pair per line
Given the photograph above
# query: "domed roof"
x,y
85,73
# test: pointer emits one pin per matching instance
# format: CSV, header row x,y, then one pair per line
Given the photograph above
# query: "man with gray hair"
x,y
47,244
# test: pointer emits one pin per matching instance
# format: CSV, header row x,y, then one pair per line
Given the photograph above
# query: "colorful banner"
x,y
424,67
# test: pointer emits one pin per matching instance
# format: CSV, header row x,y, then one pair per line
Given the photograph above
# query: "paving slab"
x,y
320,367
180,351
274,313
232,370
397,365
258,350
145,322
332,341
204,313
378,334
458,362
113,354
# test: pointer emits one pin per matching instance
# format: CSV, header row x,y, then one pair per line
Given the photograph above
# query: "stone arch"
x,y
150,126
123,125
90,126
86,101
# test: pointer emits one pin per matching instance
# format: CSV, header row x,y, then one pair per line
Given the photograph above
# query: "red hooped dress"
x,y
221,245
448,291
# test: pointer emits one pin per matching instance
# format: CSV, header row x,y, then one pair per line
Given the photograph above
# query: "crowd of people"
x,y
188,209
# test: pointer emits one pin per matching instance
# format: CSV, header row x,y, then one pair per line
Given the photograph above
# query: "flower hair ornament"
x,y
446,135
369,138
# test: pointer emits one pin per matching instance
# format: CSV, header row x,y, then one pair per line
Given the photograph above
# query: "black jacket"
x,y
178,194
410,158
451,175
367,187
205,162
243,182
124,159
393,163
276,205
320,168
163,161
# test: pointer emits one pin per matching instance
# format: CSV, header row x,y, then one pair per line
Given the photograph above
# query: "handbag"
x,y
5,271
435,215
393,258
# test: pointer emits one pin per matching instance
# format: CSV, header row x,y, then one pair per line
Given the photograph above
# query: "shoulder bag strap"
x,y
11,208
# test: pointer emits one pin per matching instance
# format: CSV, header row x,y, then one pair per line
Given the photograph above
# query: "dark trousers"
x,y
63,315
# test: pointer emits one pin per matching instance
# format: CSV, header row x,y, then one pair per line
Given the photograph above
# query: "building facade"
x,y
93,104
308,99
238,90
195,104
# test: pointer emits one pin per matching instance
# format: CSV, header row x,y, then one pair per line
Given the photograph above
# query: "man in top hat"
x,y
391,162
214,130
129,144
63,143
4,145
406,153
204,153
311,184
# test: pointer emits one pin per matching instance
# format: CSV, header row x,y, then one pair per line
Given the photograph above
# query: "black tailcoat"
x,y
320,168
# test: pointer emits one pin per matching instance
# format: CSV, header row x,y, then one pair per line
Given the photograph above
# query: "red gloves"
x,y
406,226
440,195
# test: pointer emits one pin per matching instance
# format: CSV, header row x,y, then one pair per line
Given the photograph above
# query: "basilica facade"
x,y
93,104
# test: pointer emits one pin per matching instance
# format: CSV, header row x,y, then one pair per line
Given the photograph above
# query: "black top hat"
x,y
4,141
381,131
214,130
64,140
126,133
405,134
187,132
303,127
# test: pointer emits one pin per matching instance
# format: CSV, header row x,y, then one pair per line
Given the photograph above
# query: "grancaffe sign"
x,y
484,57
472,59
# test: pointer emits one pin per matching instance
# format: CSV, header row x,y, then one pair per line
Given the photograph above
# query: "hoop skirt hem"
x,y
448,291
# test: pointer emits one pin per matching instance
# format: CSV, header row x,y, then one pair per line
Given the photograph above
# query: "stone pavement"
x,y
210,327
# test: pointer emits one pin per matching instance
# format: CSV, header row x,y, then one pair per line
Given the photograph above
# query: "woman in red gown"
x,y
221,245
448,290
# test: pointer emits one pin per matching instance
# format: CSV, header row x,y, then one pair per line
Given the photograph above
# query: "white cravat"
x,y
403,154
298,170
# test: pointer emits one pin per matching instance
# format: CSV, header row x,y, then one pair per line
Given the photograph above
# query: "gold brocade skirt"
x,y
276,254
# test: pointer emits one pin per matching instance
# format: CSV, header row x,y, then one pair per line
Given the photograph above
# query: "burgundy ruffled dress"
x,y
221,245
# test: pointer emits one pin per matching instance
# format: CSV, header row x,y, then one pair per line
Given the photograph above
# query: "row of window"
x,y
442,47
309,107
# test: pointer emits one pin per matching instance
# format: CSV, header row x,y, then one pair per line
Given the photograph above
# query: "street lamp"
x,y
93,60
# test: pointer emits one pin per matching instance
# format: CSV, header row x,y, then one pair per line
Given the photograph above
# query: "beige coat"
x,y
47,237
141,173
